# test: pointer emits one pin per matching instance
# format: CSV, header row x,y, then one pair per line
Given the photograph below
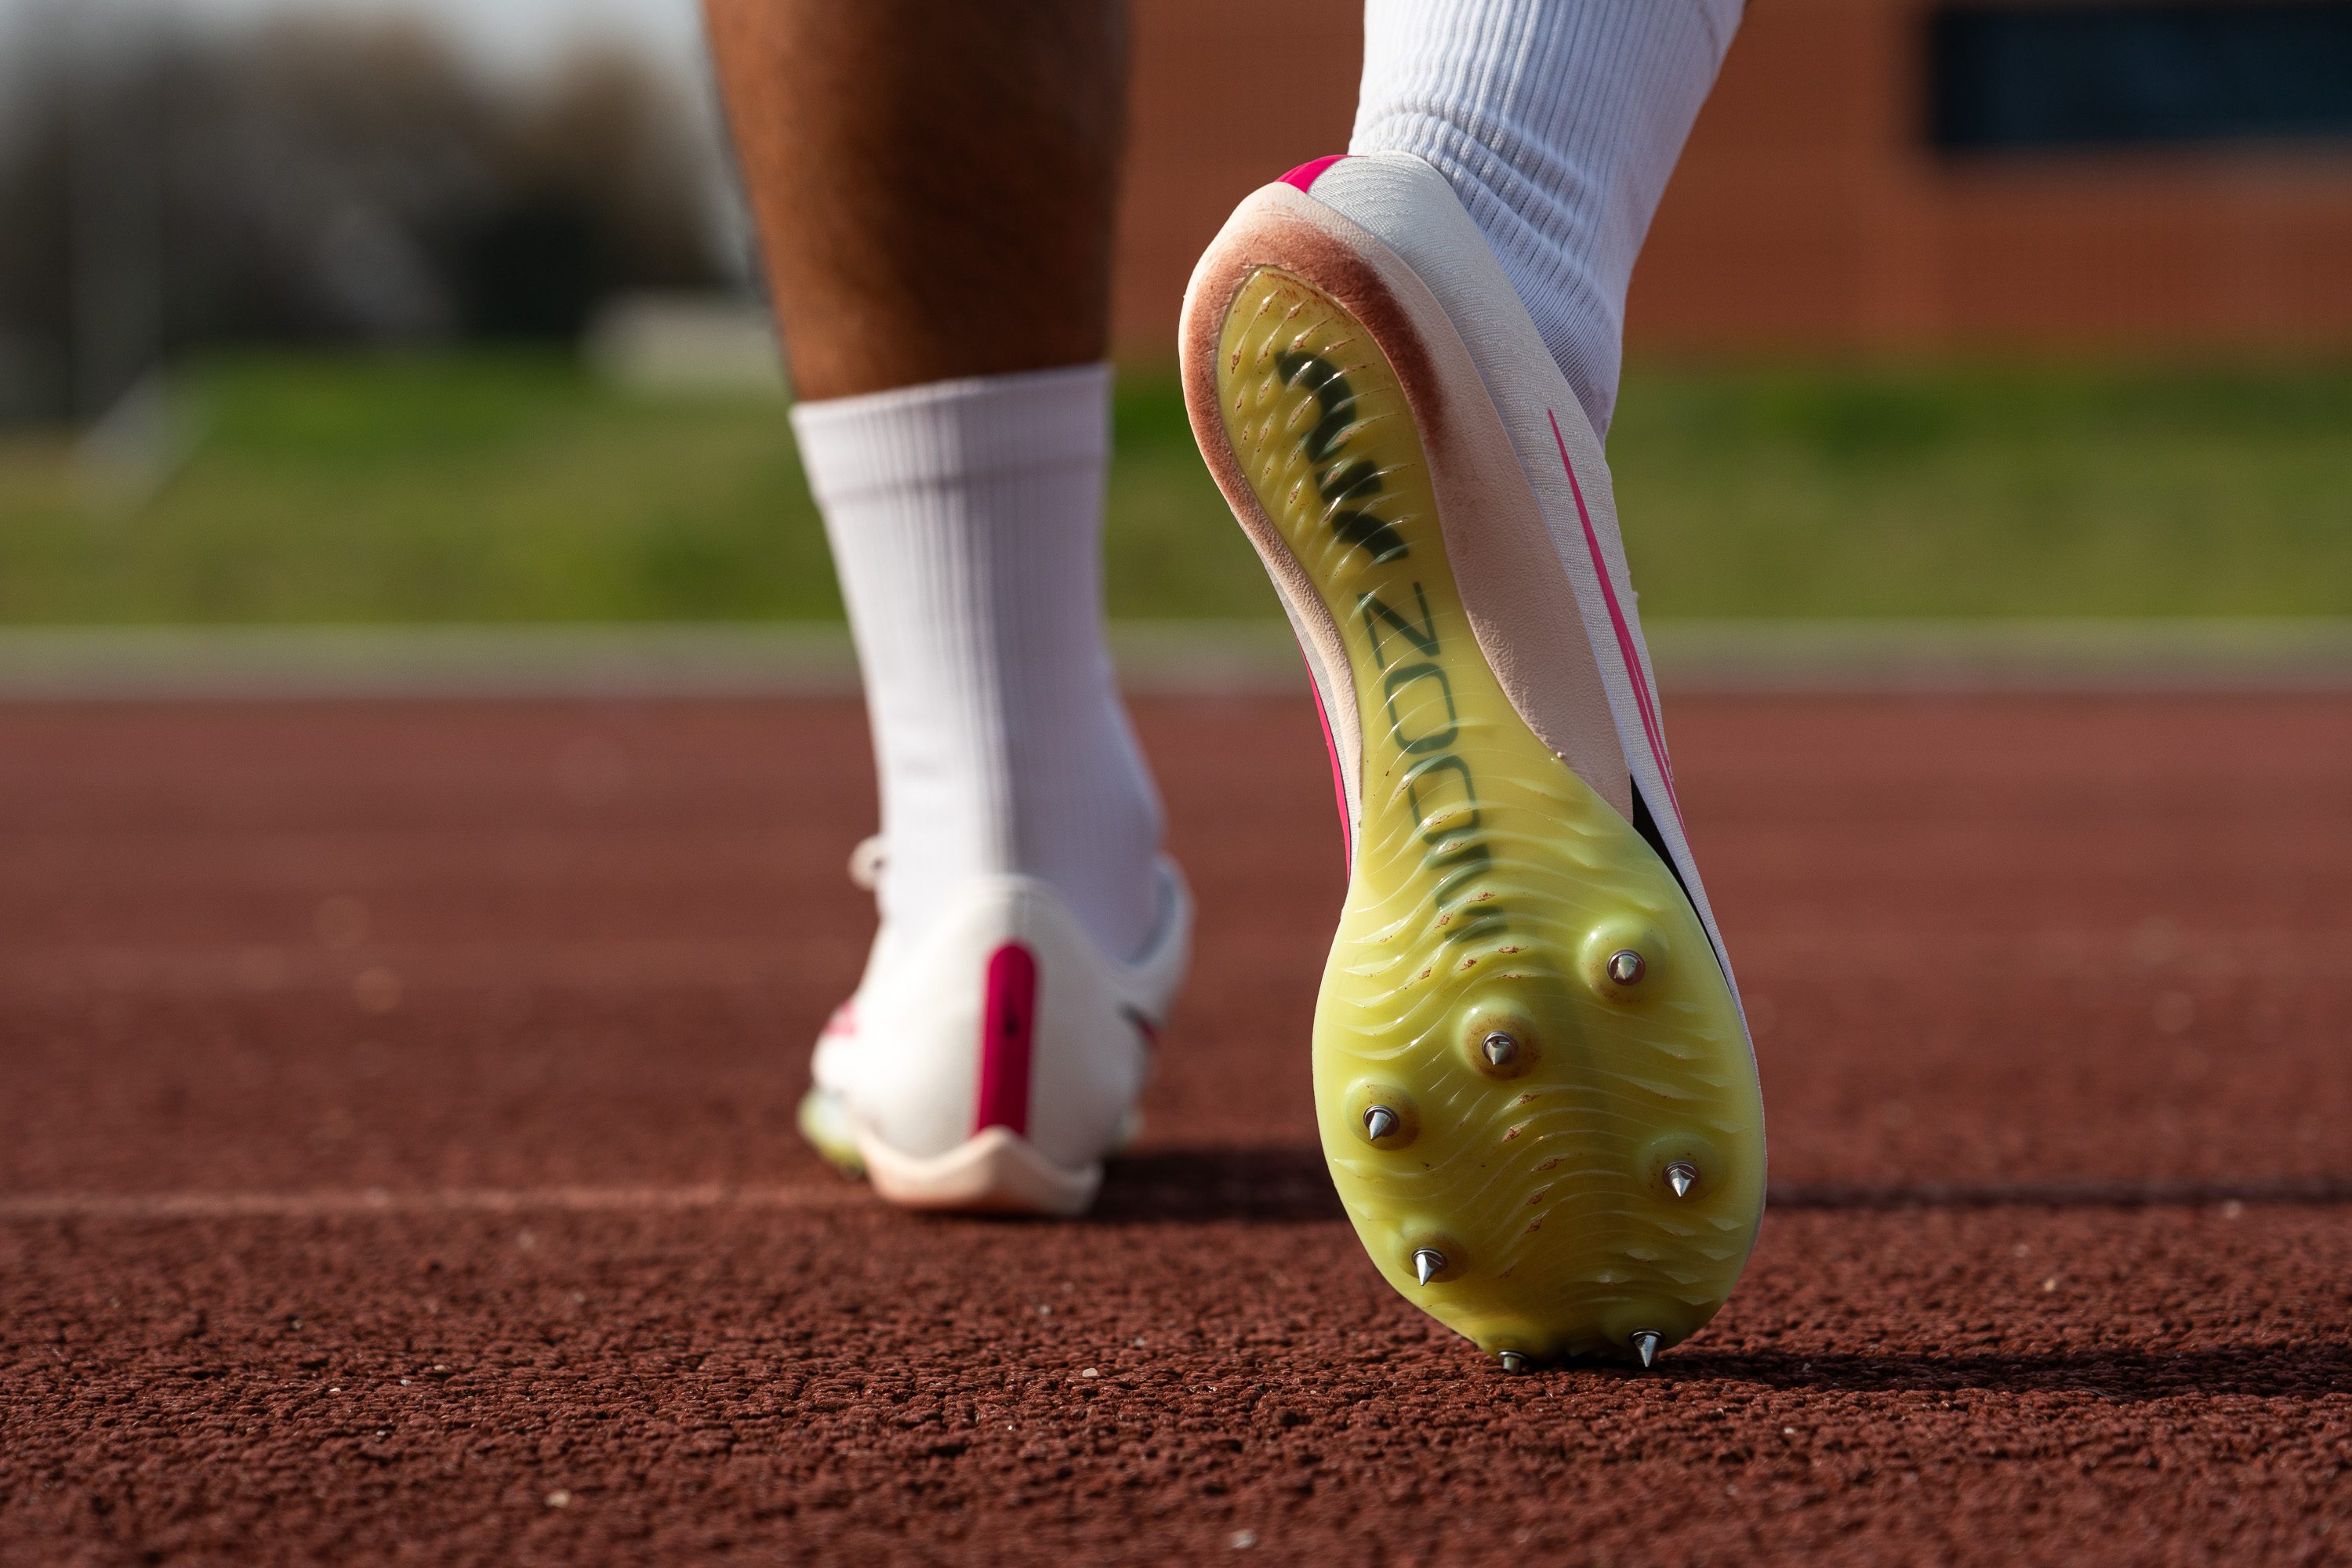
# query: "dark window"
x,y
2010,79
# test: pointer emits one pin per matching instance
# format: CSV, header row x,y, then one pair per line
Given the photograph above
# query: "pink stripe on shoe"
x,y
1008,1022
1307,174
1643,698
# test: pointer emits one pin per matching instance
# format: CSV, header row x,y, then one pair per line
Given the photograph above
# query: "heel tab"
x,y
1008,1024
1304,177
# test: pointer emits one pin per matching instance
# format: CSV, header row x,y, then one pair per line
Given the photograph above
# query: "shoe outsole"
x,y
1523,1191
825,1125
994,1172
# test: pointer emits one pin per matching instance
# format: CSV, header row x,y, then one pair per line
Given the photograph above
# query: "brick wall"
x,y
1808,211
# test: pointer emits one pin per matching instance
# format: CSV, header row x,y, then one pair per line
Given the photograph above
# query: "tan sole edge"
x,y
998,1171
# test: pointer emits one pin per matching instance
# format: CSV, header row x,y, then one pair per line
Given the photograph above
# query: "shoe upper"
x,y
1006,1012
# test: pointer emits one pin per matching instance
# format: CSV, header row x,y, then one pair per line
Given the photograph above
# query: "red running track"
x,y
396,1165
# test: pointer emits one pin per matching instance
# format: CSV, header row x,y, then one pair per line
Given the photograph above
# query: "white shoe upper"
x,y
1003,1017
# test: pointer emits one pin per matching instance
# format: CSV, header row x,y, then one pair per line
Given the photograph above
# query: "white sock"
x,y
966,523
1558,123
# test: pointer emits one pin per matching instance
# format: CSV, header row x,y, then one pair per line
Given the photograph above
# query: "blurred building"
x,y
1878,173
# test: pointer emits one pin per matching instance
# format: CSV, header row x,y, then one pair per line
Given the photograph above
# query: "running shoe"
x,y
993,1063
1532,1077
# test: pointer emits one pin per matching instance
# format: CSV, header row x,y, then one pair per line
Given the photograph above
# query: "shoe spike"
x,y
1427,1263
1646,1343
1682,1176
1378,1122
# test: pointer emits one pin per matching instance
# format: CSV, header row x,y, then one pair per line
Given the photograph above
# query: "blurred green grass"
x,y
481,487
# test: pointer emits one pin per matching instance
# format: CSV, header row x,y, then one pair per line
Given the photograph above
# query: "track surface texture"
x,y
396,1165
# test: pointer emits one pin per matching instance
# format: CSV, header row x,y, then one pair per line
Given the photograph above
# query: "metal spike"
x,y
1682,1176
1378,1122
1513,1362
1500,1047
1626,966
1427,1263
1645,1345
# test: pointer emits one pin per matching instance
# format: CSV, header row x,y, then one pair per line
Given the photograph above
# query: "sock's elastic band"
x,y
945,432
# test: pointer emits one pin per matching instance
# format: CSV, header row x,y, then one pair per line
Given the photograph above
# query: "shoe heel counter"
x,y
1090,1049
1002,1020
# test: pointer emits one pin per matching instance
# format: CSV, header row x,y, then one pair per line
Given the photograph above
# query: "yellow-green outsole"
x,y
825,1123
1490,888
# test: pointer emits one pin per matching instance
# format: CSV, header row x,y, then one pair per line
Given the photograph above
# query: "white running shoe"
x,y
1533,1084
992,1064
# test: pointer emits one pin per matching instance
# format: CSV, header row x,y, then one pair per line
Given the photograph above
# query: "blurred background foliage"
x,y
484,485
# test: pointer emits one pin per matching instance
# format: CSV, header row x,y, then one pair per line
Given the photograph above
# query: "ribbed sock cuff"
x,y
952,432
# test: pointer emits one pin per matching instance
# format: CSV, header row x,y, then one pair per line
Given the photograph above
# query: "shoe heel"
x,y
1004,1060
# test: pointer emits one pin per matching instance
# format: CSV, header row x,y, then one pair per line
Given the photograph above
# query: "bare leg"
x,y
934,182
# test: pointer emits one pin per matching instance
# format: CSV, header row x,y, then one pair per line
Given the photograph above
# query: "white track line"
x,y
438,1201
33,1207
